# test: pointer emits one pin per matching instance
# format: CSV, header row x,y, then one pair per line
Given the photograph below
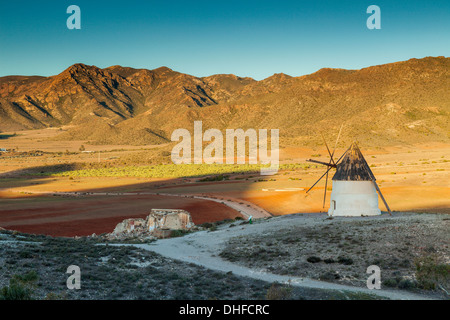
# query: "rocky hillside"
x,y
401,102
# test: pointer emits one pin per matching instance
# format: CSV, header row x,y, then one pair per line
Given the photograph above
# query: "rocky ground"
x,y
340,249
112,272
34,267
314,256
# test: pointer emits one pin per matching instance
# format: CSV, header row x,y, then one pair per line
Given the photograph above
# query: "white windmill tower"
x,y
354,191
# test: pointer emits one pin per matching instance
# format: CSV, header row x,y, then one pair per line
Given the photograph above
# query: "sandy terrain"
x,y
28,140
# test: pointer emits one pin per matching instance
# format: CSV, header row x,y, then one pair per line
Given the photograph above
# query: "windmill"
x,y
354,191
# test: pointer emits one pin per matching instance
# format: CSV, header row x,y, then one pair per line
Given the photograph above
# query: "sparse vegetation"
x,y
108,272
219,171
313,259
432,273
341,250
279,292
21,287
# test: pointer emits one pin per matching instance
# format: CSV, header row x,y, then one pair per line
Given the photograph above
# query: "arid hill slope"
x,y
402,102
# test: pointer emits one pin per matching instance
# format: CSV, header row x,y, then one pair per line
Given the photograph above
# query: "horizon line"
x,y
215,74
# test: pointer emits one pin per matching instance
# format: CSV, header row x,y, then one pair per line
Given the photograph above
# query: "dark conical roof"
x,y
353,166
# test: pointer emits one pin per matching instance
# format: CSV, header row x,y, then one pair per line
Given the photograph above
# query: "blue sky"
x,y
246,37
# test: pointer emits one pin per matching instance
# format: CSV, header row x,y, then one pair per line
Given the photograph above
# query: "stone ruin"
x,y
160,223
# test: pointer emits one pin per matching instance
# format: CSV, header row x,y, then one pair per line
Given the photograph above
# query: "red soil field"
x,y
69,217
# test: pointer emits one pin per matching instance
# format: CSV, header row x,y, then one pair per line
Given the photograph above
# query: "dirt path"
x,y
246,208
202,248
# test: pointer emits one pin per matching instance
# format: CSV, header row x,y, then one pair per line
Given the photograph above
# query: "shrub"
x,y
407,284
178,233
219,177
28,278
345,260
279,292
329,276
20,287
391,282
206,225
313,259
15,291
431,273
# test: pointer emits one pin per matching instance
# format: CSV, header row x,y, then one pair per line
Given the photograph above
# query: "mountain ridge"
x,y
394,103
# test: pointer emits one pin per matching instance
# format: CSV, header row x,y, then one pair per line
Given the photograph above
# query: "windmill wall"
x,y
353,198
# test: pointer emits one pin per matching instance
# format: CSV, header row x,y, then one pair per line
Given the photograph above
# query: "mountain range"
x,y
395,103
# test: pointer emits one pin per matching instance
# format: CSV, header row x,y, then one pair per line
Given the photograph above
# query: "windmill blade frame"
x,y
339,134
329,168
325,192
329,164
328,149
